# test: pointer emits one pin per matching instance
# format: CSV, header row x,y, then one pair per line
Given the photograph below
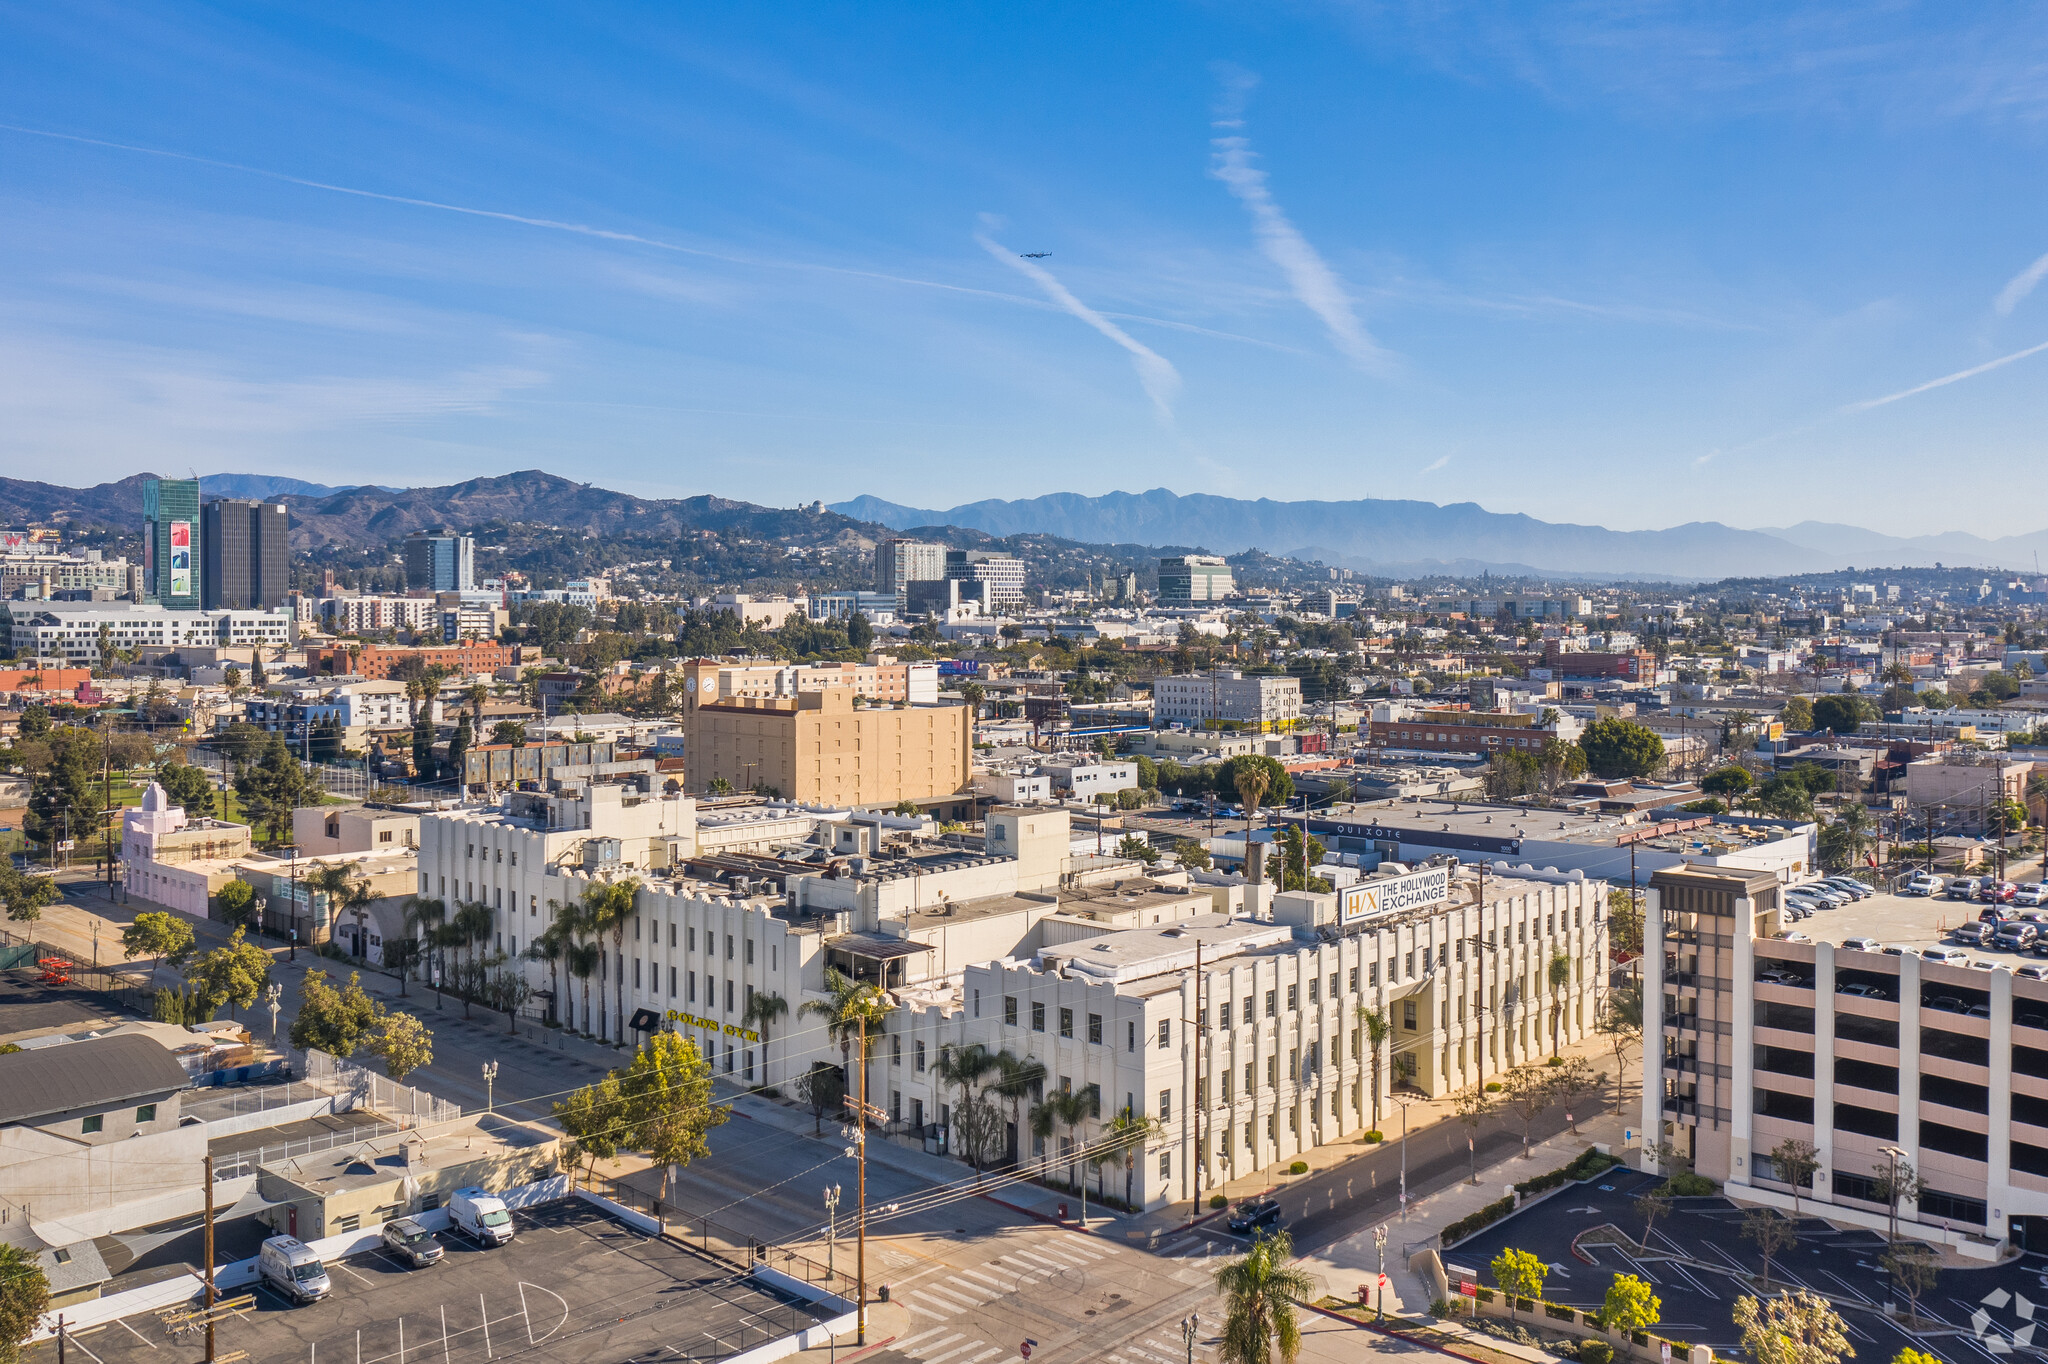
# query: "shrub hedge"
x,y
1472,1222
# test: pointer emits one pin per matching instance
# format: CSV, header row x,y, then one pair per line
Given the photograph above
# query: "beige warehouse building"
x,y
819,748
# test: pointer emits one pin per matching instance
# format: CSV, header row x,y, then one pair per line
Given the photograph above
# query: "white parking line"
x,y
925,1354
343,1265
905,1345
947,1295
957,1350
138,1335
923,1312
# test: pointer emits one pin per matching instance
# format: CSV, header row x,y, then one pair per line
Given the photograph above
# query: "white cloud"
x,y
1314,283
2019,286
1159,378
1947,379
1439,462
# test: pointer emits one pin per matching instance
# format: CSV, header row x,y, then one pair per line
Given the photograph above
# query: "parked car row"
x,y
294,1270
1982,889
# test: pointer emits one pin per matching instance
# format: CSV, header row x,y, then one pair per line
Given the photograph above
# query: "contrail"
x,y
1160,379
2019,286
1313,282
1947,379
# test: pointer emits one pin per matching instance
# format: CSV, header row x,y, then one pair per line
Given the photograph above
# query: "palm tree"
x,y
616,902
1065,1109
762,1010
424,916
1261,1290
1125,1137
965,1067
1016,1081
582,958
549,947
1560,973
346,894
470,927
849,1005
1378,1027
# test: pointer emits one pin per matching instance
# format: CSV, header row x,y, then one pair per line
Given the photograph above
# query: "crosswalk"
x,y
943,1295
1157,1349
1190,1247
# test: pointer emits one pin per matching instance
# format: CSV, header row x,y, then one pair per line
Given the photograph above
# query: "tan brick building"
x,y
819,747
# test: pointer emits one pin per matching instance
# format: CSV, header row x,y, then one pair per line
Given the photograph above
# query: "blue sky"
x,y
1632,264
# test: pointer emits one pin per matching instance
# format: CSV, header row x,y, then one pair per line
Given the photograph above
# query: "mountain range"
x,y
1384,537
1406,538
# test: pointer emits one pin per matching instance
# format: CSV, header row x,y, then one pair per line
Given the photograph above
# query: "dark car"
x,y
411,1242
1948,1004
1255,1214
2016,935
1862,991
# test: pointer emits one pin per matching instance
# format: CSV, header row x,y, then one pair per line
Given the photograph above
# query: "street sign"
x,y
1024,1350
1467,1288
1666,1351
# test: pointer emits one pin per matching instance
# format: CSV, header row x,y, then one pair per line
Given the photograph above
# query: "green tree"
x,y
1841,714
1061,1113
1621,748
159,936
24,1298
860,634
762,1010
1526,1092
1191,855
1621,1021
1518,1274
509,733
1559,974
1798,1327
1474,1107
822,1087
1731,780
273,786
1914,1270
458,748
337,1022
1651,1206
1259,1292
1293,867
1257,780
667,1091
1797,715
423,742
236,899
233,974
596,1121
190,788
1630,1305
848,1006
1123,1141
1138,848
404,1043
26,894
1795,1161
1772,1233
1377,1029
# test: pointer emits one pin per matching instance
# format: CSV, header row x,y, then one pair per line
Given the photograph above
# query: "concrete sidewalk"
x,y
1353,1262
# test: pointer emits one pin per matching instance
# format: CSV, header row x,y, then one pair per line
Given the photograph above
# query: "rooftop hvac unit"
x,y
602,854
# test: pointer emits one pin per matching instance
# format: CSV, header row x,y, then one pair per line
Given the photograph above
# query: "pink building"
x,y
177,862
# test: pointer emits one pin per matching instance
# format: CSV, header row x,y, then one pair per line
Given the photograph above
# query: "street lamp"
x,y
831,1226
1190,1327
1898,1160
490,1084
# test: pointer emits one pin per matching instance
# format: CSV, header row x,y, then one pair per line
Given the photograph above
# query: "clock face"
x,y
689,684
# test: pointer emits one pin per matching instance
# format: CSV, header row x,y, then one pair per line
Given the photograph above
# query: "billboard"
x,y
1392,894
181,558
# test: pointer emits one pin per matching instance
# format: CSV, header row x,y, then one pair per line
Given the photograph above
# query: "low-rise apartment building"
x,y
1227,699
70,631
175,861
818,747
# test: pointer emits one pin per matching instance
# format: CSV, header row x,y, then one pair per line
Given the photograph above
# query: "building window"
x,y
636,973
728,947
1247,1008
1166,1105
692,940
1066,1022
1272,1004
92,1124
352,1222
1293,999
750,951
1037,1016
1373,974
1408,1014
1354,982
895,1051
1165,1033
692,984
1166,1165
1095,1029
671,982
728,1002
146,1113
1010,1010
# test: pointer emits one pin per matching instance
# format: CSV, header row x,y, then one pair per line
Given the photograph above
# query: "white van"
x,y
289,1266
481,1216
1945,956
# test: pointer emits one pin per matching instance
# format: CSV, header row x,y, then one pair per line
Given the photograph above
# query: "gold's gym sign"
x,y
713,1025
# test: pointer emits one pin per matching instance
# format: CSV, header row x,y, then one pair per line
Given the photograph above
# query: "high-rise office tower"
x,y
245,560
439,561
170,542
899,563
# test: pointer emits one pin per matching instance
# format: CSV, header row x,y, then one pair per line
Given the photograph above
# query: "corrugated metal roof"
x,y
104,1072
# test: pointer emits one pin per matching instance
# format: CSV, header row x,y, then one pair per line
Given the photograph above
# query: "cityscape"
x,y
835,853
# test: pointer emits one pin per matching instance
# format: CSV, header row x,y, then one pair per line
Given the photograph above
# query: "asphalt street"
x,y
1977,1315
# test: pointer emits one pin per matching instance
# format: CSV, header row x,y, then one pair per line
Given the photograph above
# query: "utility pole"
x,y
209,1260
860,1118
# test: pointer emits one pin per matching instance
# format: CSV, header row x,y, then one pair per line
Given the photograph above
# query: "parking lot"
x,y
1981,1314
573,1285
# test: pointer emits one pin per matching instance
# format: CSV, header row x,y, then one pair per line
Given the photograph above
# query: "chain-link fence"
x,y
406,1106
117,986
714,1238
